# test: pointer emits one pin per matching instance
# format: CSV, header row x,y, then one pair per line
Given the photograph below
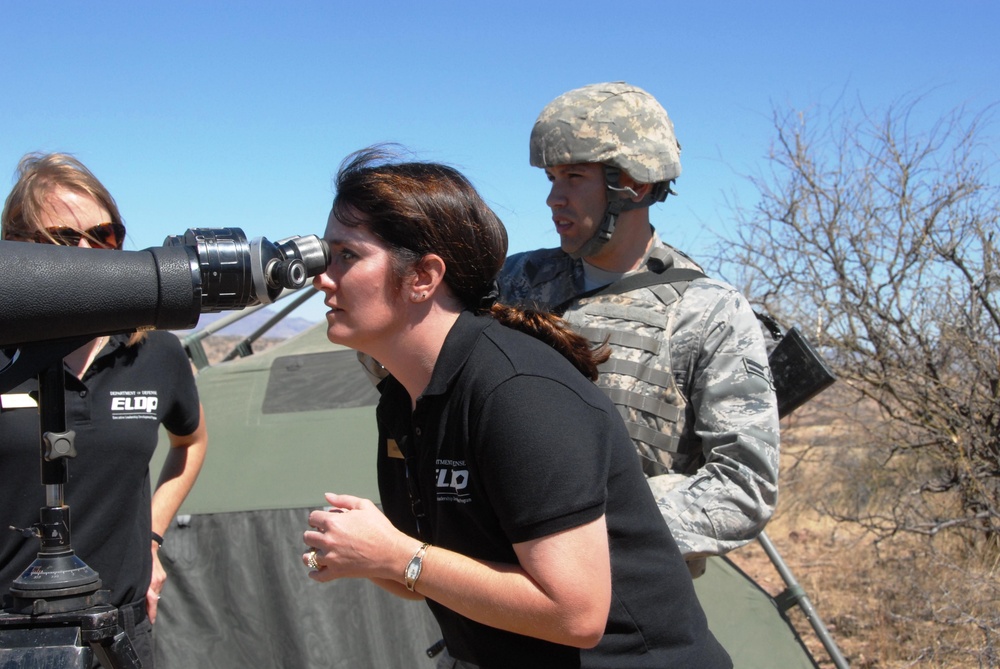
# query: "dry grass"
x,y
906,601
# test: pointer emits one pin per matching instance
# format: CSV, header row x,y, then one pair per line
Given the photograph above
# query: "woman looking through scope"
x,y
514,503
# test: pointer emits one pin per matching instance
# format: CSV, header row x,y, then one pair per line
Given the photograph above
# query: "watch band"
x,y
414,567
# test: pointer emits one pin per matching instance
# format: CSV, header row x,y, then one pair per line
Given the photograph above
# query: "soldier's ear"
x,y
640,190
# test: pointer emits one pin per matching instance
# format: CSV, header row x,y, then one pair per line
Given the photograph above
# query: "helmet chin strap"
x,y
619,200
604,231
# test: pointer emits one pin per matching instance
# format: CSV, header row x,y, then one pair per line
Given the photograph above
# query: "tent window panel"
x,y
317,382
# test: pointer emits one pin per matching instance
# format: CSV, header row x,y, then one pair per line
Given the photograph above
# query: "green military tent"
x,y
286,425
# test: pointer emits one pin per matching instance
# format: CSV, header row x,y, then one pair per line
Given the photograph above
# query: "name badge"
x,y
18,401
392,449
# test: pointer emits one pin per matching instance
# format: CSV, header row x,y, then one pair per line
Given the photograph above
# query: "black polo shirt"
x,y
116,411
509,443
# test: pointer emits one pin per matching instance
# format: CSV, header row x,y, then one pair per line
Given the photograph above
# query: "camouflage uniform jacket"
x,y
689,374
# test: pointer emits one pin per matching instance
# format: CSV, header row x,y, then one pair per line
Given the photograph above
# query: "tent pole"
x,y
794,595
193,342
244,348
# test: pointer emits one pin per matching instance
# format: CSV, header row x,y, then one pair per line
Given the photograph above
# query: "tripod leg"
x,y
116,653
30,648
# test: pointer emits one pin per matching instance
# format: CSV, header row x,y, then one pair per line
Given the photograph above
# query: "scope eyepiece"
x,y
235,273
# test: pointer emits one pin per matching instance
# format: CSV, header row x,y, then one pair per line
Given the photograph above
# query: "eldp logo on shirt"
x,y
132,404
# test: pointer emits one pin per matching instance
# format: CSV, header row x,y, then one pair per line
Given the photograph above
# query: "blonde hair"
x,y
39,175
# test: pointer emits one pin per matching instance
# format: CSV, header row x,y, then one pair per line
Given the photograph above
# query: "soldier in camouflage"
x,y
689,369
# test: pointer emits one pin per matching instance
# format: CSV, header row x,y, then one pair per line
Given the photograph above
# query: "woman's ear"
x,y
428,275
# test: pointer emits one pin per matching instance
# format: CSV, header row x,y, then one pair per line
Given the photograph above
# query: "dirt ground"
x,y
904,603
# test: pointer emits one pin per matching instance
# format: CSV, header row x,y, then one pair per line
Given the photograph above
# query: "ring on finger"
x,y
311,560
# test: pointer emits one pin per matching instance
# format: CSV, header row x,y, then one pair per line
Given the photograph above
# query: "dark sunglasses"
x,y
104,235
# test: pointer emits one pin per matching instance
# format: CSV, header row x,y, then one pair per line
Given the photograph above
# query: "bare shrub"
x,y
879,239
876,236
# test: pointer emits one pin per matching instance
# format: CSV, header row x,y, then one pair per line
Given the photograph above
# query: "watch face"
x,y
413,569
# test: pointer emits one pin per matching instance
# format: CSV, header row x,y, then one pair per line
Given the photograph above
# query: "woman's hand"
x,y
560,589
354,539
156,583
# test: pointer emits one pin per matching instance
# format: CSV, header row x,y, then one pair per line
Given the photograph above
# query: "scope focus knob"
x,y
289,273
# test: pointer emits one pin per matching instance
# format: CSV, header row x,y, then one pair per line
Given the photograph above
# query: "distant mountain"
x,y
290,325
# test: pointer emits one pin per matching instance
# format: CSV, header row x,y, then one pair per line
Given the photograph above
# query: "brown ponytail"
x,y
553,331
416,208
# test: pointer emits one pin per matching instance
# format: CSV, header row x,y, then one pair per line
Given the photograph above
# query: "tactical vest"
x,y
633,316
640,377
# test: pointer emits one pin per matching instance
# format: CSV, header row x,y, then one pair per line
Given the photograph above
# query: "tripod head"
x,y
57,581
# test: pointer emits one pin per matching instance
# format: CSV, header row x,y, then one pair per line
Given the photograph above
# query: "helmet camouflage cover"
x,y
613,123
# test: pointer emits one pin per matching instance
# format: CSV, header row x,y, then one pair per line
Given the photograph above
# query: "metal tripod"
x,y
59,615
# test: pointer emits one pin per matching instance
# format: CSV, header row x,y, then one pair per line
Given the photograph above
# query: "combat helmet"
x,y
620,126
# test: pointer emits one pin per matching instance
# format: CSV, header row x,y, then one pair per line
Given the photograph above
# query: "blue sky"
x,y
237,114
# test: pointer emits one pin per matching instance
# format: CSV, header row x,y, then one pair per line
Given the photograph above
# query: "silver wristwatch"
x,y
414,567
